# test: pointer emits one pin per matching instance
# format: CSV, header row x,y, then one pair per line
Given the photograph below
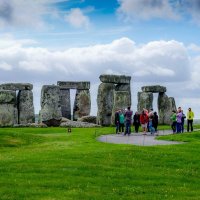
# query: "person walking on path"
x,y
190,117
178,120
121,122
173,119
117,121
144,121
136,121
182,121
128,117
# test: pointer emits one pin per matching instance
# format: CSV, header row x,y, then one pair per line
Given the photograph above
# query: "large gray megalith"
x,y
8,110
82,104
25,106
50,112
65,103
165,107
105,99
145,100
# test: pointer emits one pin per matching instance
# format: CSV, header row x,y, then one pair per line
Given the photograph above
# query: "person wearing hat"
x,y
190,117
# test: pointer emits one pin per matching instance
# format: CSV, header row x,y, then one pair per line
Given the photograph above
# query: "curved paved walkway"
x,y
138,139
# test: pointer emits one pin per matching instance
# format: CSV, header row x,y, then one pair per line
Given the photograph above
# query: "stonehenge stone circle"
x,y
50,113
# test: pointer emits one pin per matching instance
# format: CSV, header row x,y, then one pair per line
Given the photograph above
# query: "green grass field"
x,y
51,164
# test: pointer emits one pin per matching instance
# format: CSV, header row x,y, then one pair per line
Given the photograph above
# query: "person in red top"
x,y
144,121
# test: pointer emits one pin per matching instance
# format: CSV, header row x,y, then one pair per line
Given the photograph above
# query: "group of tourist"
x,y
178,119
148,120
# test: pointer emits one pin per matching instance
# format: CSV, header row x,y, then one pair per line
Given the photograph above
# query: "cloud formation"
x,y
77,18
145,10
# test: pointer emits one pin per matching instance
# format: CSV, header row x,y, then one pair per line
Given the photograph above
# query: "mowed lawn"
x,y
51,164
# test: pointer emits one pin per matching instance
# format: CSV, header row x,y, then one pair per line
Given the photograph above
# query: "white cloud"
x,y
154,62
142,9
77,18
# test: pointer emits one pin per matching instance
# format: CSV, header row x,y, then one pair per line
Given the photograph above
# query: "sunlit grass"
x,y
49,163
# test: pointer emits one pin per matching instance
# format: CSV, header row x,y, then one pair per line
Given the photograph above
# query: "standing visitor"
x,y
190,117
121,121
182,122
144,121
178,120
128,118
155,121
136,121
117,121
150,124
173,119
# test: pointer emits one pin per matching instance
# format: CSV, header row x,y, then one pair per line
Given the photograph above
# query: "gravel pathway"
x,y
138,139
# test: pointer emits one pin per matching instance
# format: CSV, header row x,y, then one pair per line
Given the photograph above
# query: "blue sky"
x,y
154,41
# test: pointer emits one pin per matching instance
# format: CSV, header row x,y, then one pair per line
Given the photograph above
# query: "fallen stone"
x,y
78,124
88,119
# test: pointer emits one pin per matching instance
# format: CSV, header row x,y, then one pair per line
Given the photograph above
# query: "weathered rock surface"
x,y
16,86
145,100
165,106
65,103
25,107
84,85
89,119
33,125
8,111
123,87
8,115
106,78
154,89
105,99
122,99
7,96
82,104
50,113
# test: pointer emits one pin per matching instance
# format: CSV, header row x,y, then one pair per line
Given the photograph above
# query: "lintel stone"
x,y
154,89
16,86
116,79
83,85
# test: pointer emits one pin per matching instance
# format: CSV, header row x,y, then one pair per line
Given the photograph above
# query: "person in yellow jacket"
x,y
190,117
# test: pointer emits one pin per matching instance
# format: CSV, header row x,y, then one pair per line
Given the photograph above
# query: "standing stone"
x,y
50,112
8,111
165,107
82,104
105,100
65,103
145,100
122,99
25,107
